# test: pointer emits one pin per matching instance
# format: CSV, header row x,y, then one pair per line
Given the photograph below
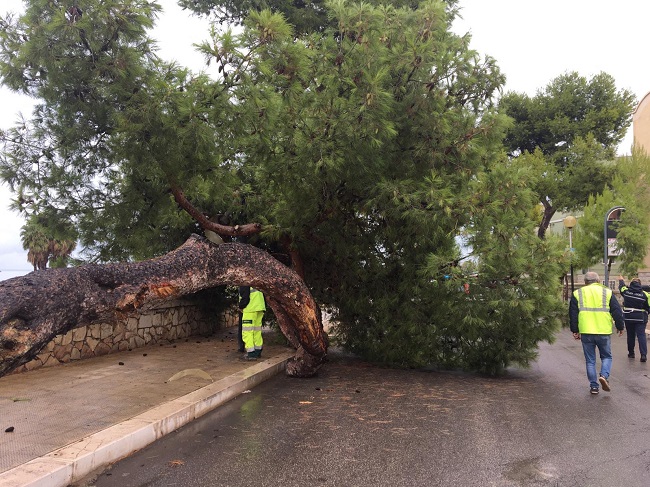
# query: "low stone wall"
x,y
173,321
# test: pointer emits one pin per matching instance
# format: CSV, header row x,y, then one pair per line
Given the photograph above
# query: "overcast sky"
x,y
532,41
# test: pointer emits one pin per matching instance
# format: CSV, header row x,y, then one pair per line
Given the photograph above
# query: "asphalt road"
x,y
361,425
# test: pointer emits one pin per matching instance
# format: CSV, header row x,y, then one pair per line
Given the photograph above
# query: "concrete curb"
x,y
73,462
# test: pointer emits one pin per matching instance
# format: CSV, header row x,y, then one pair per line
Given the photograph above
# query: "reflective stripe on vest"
x,y
593,306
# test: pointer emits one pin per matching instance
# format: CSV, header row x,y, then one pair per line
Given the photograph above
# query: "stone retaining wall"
x,y
176,320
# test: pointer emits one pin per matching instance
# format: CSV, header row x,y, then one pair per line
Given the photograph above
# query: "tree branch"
x,y
201,219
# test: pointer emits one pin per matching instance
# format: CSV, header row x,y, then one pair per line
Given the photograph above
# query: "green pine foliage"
x,y
629,189
306,16
372,145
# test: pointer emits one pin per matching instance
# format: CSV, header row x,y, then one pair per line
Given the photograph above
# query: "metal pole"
x,y
605,240
569,222
571,263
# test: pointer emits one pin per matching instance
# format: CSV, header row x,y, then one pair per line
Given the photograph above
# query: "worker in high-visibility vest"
x,y
591,310
252,306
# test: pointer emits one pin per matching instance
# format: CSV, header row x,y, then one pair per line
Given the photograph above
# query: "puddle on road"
x,y
525,472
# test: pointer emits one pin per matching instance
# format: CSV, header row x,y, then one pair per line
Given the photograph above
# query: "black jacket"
x,y
244,296
635,302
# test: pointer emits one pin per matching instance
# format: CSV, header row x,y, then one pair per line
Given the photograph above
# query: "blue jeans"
x,y
604,344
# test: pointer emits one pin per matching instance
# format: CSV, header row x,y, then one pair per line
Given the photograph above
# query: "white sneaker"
x,y
603,383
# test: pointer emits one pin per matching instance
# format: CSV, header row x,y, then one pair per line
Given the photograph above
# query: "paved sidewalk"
x,y
69,420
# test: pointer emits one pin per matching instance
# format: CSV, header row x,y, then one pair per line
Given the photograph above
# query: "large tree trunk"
x,y
37,307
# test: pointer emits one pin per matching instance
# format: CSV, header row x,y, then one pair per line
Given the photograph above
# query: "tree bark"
x,y
37,307
549,211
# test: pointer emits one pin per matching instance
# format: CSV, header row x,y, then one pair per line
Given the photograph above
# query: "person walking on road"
x,y
591,310
252,306
635,313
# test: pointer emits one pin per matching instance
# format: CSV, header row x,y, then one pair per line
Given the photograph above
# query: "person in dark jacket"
x,y
635,312
591,311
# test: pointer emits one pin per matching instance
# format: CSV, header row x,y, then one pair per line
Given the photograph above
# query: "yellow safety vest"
x,y
593,306
256,302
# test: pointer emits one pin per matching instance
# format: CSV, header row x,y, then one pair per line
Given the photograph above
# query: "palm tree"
x,y
60,249
36,243
41,246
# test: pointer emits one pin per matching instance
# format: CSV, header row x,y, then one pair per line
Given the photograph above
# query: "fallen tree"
x,y
37,307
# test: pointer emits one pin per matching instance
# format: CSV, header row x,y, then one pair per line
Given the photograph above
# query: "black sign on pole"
x,y
612,233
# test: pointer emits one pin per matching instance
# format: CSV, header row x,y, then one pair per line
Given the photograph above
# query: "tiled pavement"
x,y
69,420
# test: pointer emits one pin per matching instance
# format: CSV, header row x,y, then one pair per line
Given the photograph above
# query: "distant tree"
x,y
44,245
36,243
629,189
576,124
60,251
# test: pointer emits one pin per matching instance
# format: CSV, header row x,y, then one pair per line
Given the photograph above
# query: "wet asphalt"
x,y
356,424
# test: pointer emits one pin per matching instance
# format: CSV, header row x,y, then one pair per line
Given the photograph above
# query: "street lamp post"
x,y
570,222
606,262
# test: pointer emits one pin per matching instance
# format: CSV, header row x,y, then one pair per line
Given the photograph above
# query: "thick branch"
x,y
236,231
37,307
